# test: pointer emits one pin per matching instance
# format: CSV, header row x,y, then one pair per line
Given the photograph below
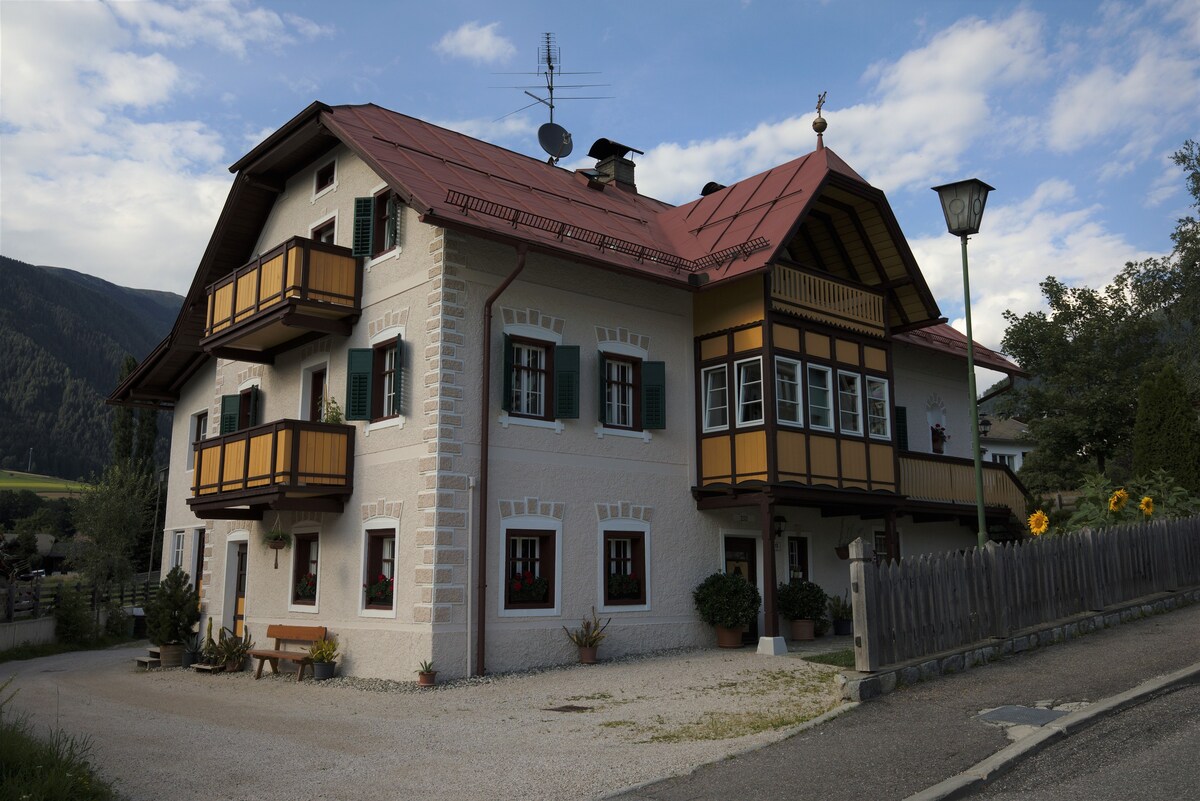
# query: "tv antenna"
x,y
553,138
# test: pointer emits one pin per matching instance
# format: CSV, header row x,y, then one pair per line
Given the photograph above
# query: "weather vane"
x,y
819,125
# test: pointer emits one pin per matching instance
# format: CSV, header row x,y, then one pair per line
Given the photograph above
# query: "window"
x,y
380,583
787,392
240,411
377,222
1007,459
820,403
849,403
716,398
887,548
632,392
374,381
878,420
304,571
177,550
749,392
529,569
199,432
324,178
625,568
325,232
316,395
797,558
541,379
530,369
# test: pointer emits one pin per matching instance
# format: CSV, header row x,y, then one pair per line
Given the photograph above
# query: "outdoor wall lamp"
x,y
780,524
962,203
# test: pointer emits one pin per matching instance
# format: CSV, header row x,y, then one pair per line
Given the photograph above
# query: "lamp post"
x,y
963,203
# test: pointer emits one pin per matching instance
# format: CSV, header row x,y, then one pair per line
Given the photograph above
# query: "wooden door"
x,y
239,604
741,559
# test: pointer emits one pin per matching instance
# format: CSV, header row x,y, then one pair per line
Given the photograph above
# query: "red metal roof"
x,y
945,339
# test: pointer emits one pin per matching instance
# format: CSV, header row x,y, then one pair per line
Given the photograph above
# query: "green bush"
x,y
116,621
73,619
174,611
726,599
802,600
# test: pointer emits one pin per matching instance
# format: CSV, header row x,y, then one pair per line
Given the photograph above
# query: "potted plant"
x,y
842,614
379,591
939,437
306,587
324,655
232,650
728,602
332,412
588,637
277,539
191,651
426,675
171,615
803,603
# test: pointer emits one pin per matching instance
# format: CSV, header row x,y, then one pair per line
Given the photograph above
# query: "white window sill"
x,y
618,608
317,195
505,419
305,609
605,431
390,254
378,613
529,612
391,422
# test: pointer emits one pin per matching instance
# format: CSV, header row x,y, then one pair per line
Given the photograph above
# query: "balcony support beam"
x,y
244,355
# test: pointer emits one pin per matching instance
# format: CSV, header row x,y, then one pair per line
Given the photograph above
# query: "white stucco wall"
x,y
933,388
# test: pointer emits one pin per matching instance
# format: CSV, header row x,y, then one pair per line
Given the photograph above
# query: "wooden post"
x,y
37,599
766,511
863,600
1001,579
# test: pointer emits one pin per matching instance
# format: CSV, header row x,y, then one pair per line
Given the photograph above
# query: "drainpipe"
x,y
485,426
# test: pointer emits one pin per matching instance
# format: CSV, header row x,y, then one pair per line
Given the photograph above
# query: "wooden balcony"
x,y
287,465
298,291
828,300
950,480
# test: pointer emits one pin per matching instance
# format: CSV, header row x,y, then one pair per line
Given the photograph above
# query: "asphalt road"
x,y
916,737
1147,752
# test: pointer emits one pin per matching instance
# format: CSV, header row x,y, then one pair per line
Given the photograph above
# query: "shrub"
x,y
73,619
726,599
802,600
174,611
116,621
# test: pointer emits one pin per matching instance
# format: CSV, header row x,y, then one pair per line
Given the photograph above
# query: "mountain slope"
x,y
63,335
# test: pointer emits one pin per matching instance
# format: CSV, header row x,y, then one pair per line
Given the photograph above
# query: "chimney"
x,y
611,162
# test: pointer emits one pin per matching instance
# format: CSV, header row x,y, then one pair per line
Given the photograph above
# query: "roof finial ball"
x,y
819,124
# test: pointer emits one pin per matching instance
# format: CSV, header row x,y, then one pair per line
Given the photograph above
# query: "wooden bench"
x,y
288,634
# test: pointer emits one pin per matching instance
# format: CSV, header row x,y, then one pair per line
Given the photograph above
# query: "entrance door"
x,y
741,560
239,602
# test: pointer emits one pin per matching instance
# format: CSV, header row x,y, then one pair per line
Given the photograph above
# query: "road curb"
x,y
981,773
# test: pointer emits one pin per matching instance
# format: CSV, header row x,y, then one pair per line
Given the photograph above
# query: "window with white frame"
x,y
530,371
1007,459
849,403
788,406
621,391
529,569
749,391
820,399
304,570
624,568
177,550
879,422
324,178
715,391
380,581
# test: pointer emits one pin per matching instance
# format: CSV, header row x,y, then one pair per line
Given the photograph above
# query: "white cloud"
x,y
233,26
507,129
478,43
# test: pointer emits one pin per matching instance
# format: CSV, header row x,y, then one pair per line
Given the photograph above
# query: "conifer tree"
x,y
1166,435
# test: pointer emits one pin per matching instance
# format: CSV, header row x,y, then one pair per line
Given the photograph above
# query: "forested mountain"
x,y
63,336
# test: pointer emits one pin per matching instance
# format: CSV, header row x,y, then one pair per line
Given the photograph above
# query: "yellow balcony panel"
x,y
286,465
827,300
295,292
949,480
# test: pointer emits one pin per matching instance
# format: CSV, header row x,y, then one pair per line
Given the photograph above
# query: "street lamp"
x,y
963,203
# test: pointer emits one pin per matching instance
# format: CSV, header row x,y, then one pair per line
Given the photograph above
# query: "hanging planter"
x,y
277,539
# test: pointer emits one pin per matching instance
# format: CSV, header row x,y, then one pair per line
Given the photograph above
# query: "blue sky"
x,y
118,120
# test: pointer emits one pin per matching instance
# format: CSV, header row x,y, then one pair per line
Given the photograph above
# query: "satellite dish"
x,y
555,140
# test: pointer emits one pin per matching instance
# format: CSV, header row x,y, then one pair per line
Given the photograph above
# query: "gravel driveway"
x,y
567,733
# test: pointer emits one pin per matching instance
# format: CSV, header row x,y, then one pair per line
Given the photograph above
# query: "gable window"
x,y
714,381
374,381
632,392
787,392
1007,459
749,392
324,177
380,581
849,403
625,568
241,411
304,569
820,401
878,420
377,222
529,569
324,232
199,432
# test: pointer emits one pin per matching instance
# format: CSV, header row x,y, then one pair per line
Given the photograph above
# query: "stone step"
x,y
147,662
208,668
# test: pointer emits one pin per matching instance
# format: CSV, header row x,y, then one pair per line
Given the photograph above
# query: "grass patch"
x,y
618,724
843,658
14,480
592,697
54,768
728,725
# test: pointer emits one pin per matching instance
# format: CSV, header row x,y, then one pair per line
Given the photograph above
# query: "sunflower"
x,y
1147,505
1038,523
1118,500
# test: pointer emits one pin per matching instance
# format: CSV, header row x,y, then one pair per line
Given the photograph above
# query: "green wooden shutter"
x,y
398,378
255,407
566,382
902,428
359,364
230,404
506,360
364,227
654,395
601,388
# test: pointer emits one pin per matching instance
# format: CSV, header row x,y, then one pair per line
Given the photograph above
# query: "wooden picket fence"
x,y
921,605
32,601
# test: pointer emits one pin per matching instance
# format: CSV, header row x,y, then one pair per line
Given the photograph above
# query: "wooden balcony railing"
x,y
815,297
945,479
283,465
300,287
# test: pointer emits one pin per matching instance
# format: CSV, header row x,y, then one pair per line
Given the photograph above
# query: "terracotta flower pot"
x,y
170,655
804,630
729,638
427,678
842,551
587,654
